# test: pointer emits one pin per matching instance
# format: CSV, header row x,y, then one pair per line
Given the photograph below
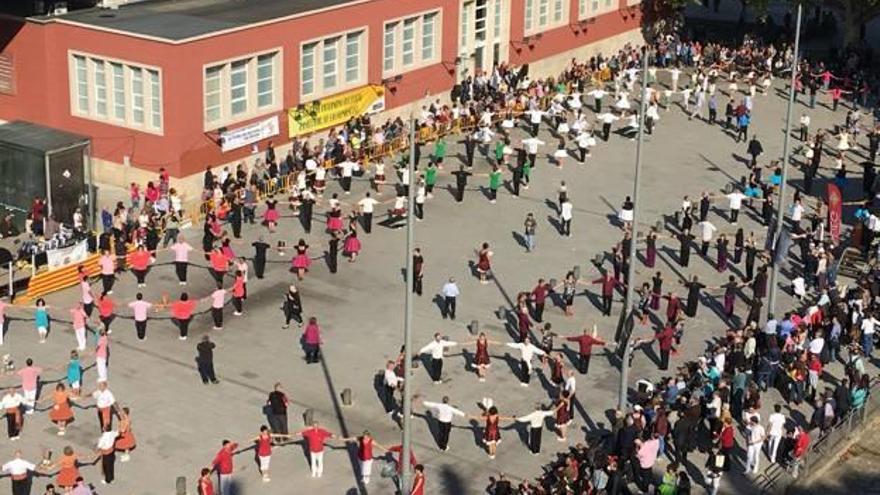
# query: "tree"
x,y
853,14
662,17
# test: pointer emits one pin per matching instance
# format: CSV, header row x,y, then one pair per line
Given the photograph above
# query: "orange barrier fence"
x,y
53,280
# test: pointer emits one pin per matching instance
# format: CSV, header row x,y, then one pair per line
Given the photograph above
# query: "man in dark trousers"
x,y
665,338
418,271
517,170
469,147
755,149
608,283
260,249
333,253
585,341
684,247
235,218
693,298
307,201
276,408
205,359
461,180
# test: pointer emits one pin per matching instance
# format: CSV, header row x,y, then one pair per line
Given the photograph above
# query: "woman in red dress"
x,y
557,370
483,265
61,413
481,357
523,321
352,245
334,217
301,261
270,217
125,442
491,431
563,417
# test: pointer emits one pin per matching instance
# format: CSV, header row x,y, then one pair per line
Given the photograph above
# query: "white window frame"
x,y
320,87
543,15
395,53
81,78
353,42
408,41
313,47
330,64
99,73
270,81
137,95
529,15
155,98
218,112
428,38
119,94
111,95
238,91
389,45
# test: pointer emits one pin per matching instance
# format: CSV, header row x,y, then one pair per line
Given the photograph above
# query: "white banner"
x,y
57,258
249,134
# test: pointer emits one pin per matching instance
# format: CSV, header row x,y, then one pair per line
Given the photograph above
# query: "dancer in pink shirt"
x,y
79,316
140,308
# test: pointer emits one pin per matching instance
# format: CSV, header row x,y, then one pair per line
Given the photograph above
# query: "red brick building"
x,y
157,83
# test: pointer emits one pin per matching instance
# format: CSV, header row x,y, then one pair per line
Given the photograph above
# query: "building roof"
x,y
21,134
181,19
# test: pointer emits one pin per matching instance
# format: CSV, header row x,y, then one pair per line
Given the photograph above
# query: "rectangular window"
x,y
582,9
608,3
137,95
410,43
409,34
465,24
212,93
238,87
595,6
82,84
497,18
530,11
100,88
155,99
480,21
428,23
390,42
118,91
265,80
543,9
307,69
557,11
329,62
353,57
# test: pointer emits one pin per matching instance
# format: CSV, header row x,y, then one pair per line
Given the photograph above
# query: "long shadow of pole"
x,y
343,426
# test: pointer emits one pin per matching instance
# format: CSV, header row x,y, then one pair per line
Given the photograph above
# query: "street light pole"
x,y
780,207
627,316
408,314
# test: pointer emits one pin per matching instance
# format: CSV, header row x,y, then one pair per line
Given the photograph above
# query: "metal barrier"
x,y
780,479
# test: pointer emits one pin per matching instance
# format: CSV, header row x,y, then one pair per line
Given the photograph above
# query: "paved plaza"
x,y
179,422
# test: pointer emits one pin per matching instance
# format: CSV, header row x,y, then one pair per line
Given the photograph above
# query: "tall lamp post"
x,y
786,148
627,316
408,314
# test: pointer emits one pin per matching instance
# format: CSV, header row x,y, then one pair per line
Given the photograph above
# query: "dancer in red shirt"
x,y
315,436
365,444
418,486
139,261
264,450
181,313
